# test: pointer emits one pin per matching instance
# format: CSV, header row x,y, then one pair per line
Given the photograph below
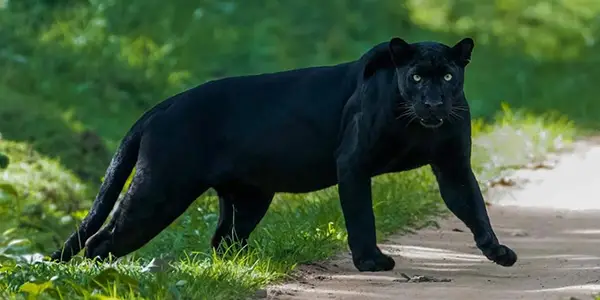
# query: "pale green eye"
x,y
416,78
448,77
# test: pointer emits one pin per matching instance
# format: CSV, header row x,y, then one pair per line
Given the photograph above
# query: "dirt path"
x,y
553,223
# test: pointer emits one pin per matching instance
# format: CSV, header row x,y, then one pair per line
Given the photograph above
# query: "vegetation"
x,y
77,73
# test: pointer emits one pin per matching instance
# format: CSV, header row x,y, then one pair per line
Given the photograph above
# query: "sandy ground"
x,y
552,221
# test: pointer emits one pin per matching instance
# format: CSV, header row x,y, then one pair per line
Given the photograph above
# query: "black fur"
x,y
249,137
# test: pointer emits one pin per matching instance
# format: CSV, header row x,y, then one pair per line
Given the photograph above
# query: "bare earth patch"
x,y
551,219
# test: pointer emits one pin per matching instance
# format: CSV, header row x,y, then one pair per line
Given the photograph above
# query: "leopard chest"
x,y
400,157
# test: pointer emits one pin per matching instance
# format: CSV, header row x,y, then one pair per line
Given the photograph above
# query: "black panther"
x,y
398,107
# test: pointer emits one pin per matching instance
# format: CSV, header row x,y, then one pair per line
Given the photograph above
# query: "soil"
x,y
551,219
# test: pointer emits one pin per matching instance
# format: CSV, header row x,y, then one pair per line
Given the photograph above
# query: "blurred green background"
x,y
75,74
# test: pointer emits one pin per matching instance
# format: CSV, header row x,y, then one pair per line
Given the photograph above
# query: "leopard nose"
x,y
433,105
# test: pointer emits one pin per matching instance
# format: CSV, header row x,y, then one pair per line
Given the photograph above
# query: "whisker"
x,y
404,106
461,108
408,111
457,116
411,120
405,114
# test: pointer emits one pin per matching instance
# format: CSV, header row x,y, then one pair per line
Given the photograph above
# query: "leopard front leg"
x,y
461,193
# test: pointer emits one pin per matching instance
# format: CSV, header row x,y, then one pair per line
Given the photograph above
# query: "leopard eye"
x,y
448,77
416,78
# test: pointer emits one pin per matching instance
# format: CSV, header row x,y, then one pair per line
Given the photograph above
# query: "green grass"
x,y
297,229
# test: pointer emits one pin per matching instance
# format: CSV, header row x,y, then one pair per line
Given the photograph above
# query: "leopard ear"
x,y
391,55
400,51
462,51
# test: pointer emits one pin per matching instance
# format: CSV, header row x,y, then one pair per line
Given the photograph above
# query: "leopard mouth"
x,y
431,123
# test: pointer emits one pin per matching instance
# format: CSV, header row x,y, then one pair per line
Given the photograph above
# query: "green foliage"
x,y
40,178
49,129
543,29
533,138
38,197
77,73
